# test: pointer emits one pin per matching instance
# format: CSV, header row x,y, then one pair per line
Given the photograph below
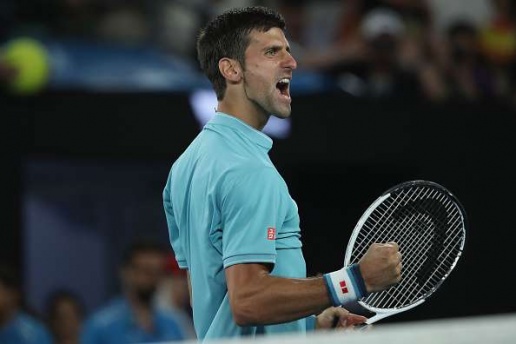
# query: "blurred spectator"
x,y
65,313
445,12
133,317
322,35
16,325
377,71
498,43
125,22
177,23
467,74
498,36
174,294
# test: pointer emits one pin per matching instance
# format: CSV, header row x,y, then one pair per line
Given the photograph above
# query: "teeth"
x,y
285,81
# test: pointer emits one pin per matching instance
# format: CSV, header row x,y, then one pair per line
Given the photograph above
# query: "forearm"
x,y
265,299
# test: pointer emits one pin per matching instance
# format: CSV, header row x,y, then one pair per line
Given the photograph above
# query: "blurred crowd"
x,y
435,50
152,306
427,49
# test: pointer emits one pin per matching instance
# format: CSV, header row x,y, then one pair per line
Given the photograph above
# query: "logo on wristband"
x,y
343,287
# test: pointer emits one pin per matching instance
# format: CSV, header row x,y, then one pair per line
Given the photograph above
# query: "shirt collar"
x,y
245,129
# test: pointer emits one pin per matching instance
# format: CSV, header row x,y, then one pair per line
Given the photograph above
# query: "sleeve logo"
x,y
271,233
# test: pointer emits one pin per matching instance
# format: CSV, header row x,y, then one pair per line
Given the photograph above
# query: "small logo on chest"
x,y
271,233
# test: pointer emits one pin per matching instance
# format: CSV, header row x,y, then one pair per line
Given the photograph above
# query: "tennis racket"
x,y
429,225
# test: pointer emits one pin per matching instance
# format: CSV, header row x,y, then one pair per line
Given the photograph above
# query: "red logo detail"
x,y
271,233
343,287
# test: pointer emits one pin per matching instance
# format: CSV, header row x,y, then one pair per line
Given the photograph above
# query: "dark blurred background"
x,y
98,98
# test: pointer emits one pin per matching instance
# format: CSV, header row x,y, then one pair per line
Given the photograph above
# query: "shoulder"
x,y
251,174
167,314
33,329
106,316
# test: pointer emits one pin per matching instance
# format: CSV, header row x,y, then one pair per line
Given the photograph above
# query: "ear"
x,y
230,69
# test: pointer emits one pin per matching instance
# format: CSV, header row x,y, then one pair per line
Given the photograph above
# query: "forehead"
x,y
260,39
147,256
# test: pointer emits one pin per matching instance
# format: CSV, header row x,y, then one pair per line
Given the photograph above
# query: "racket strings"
x,y
419,235
384,210
406,290
411,287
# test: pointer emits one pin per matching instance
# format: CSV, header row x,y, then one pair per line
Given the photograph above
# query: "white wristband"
x,y
343,286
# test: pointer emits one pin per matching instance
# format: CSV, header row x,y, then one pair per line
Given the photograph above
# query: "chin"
x,y
282,114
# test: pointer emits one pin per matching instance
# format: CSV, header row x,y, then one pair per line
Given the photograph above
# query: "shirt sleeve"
x,y
173,230
251,212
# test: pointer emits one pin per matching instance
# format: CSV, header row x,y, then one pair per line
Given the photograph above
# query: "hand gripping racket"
x,y
429,225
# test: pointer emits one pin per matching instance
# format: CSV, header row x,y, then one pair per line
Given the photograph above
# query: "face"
x,y
268,72
66,322
144,274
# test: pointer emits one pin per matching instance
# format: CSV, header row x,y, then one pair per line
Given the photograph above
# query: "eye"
x,y
271,51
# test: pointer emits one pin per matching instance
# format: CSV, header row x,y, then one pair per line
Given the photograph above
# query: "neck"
x,y
256,123
247,111
142,313
137,303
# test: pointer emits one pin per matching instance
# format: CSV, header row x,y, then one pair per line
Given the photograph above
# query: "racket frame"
x,y
381,313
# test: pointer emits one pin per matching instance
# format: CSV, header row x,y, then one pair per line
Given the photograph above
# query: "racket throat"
x,y
382,313
376,318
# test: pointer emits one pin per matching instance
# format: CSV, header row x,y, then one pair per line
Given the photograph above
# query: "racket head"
x,y
429,224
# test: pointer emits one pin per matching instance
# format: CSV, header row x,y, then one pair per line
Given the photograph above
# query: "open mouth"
x,y
284,87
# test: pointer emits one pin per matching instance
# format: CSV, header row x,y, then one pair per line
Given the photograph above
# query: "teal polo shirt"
x,y
227,204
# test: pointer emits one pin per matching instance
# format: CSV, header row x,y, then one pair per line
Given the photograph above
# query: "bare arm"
x,y
256,297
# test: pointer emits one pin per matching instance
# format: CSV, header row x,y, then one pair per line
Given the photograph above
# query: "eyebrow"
x,y
276,47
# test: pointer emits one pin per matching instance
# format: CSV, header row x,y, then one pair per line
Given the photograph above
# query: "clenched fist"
x,y
381,266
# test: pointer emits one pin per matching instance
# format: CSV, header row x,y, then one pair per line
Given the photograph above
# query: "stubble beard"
x,y
267,105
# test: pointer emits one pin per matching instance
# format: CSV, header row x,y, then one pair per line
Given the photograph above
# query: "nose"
x,y
290,61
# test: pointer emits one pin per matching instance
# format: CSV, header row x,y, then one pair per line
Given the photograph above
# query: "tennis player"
x,y
231,220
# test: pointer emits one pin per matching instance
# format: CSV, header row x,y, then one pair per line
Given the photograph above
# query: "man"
x,y
16,325
133,317
173,294
65,314
231,220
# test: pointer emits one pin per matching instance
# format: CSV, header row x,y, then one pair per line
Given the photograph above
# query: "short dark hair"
x,y
141,246
227,35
